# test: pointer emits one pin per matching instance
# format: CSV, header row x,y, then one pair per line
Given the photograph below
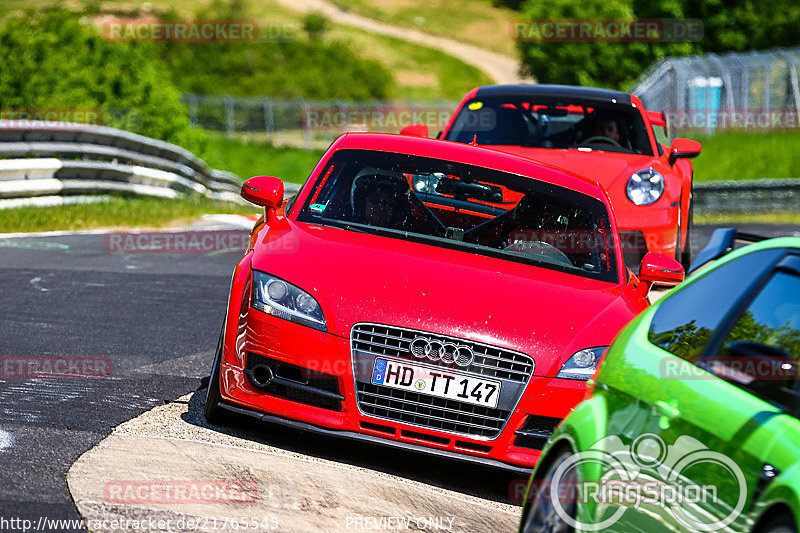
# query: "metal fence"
x,y
752,90
311,123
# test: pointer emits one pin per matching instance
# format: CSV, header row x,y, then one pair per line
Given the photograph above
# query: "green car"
x,y
691,423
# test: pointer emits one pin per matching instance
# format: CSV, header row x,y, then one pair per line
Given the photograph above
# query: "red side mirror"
x,y
658,269
681,147
266,191
416,130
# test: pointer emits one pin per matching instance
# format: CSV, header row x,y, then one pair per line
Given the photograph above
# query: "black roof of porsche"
x,y
554,91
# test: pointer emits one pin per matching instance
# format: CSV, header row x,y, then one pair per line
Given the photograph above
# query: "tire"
x,y
783,523
212,411
541,515
686,252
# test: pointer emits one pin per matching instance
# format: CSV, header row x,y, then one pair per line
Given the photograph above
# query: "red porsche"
x,y
428,295
604,135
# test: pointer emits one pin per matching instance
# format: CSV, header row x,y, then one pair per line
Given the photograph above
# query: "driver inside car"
x,y
606,127
381,200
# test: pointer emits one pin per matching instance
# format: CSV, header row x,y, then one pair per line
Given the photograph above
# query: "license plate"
x,y
437,382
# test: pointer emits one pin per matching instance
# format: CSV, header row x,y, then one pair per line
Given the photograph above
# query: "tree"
x,y
52,60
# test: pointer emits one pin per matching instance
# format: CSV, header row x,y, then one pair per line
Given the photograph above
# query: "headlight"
x,y
582,364
282,299
645,187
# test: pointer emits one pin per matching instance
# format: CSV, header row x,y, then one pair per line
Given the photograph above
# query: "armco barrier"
x,y
752,196
63,159
57,159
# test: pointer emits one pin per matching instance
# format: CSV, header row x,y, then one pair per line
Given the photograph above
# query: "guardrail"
x,y
747,196
59,160
49,163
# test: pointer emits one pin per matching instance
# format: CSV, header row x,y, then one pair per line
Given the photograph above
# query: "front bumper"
x,y
315,390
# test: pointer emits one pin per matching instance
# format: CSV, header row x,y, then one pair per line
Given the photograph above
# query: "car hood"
x,y
608,168
358,277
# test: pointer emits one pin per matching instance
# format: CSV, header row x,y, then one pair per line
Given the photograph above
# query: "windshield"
x,y
460,206
550,123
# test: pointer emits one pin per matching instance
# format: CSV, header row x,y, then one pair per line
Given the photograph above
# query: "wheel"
x,y
211,409
542,516
686,252
783,523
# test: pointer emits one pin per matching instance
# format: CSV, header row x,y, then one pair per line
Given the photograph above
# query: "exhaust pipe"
x,y
261,375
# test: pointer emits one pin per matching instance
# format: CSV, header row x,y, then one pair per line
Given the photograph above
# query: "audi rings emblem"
x,y
437,350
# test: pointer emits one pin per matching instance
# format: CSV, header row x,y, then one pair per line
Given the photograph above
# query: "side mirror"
x,y
658,269
416,130
683,148
266,191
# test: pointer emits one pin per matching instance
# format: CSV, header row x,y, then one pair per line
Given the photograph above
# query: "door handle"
x,y
668,409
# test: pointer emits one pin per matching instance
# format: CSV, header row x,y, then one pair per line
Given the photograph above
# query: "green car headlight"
x,y
582,364
280,298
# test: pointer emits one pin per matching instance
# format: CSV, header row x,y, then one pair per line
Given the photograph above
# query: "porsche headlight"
x,y
582,364
645,187
282,299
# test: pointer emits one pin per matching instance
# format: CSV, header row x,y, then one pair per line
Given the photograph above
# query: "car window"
x,y
761,350
685,321
454,205
551,123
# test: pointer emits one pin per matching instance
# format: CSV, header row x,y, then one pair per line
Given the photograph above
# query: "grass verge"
x,y
119,212
247,158
771,217
476,22
747,155
419,72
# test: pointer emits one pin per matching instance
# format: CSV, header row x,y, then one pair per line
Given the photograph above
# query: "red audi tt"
x,y
428,295
605,135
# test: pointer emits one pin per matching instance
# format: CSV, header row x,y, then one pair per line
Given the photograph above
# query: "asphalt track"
x,y
155,319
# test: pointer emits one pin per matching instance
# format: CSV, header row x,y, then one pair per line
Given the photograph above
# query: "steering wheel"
x,y
600,138
539,248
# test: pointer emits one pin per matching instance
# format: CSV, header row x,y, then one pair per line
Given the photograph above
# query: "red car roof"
x,y
472,155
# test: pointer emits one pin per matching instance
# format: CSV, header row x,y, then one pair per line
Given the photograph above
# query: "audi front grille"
x,y
512,369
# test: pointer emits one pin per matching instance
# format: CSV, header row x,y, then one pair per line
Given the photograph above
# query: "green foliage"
x,y
738,155
287,66
728,25
315,25
252,158
748,329
745,24
605,64
686,341
51,60
288,70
